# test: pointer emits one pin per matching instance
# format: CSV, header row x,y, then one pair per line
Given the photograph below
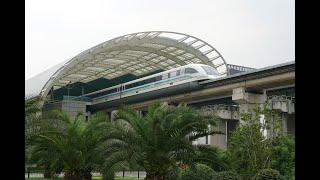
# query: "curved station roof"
x,y
126,58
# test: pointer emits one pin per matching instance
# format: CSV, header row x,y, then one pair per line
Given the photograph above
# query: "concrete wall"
x,y
291,124
74,107
220,140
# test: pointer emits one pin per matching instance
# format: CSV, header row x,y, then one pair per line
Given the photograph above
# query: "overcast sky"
x,y
254,33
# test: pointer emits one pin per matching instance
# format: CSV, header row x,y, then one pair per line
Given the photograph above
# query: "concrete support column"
x,y
88,115
220,140
291,124
247,101
139,112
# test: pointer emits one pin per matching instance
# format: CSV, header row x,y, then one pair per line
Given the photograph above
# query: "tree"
x,y
157,141
268,174
283,156
32,115
249,149
199,172
227,175
69,145
32,105
213,157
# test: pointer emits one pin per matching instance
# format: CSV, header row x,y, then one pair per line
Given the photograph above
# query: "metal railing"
x,y
216,107
239,68
33,173
281,98
77,98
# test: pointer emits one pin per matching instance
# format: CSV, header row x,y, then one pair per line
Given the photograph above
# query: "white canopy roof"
x,y
136,53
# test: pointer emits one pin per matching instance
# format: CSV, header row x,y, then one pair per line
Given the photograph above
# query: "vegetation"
x,y
283,156
213,157
248,149
69,145
157,141
227,175
32,115
32,105
268,174
251,150
199,172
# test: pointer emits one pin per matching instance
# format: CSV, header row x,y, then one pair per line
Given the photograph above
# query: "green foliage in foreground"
x,y
283,156
93,178
126,178
227,175
159,142
156,141
63,144
268,174
249,150
32,114
199,172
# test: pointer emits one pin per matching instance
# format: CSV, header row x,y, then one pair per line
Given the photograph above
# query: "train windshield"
x,y
210,70
190,71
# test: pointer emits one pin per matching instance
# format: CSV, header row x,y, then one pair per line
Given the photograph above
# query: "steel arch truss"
x,y
137,54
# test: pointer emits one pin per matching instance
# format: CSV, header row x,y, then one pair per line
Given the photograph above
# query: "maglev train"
x,y
170,80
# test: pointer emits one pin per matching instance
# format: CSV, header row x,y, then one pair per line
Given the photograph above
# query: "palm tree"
x,y
69,145
213,157
32,115
158,141
32,105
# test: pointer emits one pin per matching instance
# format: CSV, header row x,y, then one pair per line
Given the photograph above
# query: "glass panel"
x,y
158,78
165,76
172,74
190,71
210,70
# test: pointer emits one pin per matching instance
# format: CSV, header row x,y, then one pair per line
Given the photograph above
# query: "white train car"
x,y
173,77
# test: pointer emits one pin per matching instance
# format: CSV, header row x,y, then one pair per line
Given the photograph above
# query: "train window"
x,y
165,76
169,75
210,70
172,74
158,78
151,80
178,72
112,91
135,84
129,86
145,82
175,73
190,71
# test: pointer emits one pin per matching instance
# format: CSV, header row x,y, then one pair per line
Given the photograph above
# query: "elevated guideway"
x,y
256,81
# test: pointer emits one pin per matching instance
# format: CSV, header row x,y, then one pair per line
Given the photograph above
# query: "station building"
x,y
97,80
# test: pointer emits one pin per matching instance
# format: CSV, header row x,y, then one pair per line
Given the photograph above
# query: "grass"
x,y
95,177
127,178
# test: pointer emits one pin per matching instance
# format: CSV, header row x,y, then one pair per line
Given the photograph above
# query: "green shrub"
x,y
198,172
173,173
283,156
227,175
268,174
